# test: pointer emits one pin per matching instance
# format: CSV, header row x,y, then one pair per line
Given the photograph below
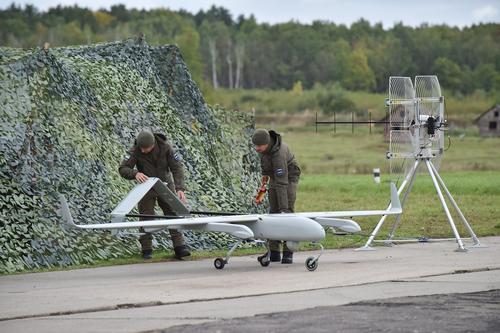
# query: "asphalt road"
x,y
469,312
164,295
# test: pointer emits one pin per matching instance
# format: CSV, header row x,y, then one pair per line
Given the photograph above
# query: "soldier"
x,y
279,164
153,156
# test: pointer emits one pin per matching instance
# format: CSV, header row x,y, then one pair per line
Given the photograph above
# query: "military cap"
x,y
145,139
261,137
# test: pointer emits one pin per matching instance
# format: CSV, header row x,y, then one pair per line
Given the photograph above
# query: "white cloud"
x,y
485,12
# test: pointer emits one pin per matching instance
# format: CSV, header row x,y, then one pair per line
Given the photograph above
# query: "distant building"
x,y
387,128
398,116
489,122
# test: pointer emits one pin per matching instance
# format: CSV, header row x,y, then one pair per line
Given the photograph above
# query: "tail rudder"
x,y
64,211
395,203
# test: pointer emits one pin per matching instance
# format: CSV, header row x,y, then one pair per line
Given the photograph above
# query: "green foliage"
x,y
449,73
297,88
462,109
69,115
240,53
359,75
333,99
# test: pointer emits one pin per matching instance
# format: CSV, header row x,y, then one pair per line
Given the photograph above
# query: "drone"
x,y
294,227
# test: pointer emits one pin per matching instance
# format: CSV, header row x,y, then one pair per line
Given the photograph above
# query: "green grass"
x,y
476,193
462,110
337,175
358,153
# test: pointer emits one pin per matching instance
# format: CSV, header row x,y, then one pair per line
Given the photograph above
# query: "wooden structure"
x,y
489,122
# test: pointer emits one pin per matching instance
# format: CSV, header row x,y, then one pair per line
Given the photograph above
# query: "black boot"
x,y
147,254
287,257
275,256
181,251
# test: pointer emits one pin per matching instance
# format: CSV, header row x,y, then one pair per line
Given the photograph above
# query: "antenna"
x,y
417,122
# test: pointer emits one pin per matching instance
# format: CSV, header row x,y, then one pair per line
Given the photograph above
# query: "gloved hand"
x,y
262,190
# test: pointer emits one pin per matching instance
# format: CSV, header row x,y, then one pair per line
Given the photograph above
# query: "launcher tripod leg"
x,y
453,202
375,231
413,175
461,247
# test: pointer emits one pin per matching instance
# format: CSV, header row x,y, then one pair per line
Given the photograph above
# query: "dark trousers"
x,y
274,245
147,206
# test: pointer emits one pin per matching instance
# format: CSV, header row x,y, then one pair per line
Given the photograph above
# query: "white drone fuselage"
x,y
292,228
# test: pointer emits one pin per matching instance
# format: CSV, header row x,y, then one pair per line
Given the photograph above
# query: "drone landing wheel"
x,y
219,263
264,260
311,264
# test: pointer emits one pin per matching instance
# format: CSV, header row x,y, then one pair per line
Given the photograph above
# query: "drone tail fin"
x,y
64,211
395,203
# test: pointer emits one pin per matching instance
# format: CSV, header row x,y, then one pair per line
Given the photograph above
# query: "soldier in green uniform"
x,y
153,156
279,164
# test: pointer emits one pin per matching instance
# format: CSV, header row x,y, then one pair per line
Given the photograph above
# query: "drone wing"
x,y
394,209
227,224
337,219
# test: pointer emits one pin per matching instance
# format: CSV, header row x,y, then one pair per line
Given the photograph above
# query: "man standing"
x,y
279,164
153,156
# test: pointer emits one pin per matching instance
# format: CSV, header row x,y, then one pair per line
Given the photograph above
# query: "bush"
x,y
334,99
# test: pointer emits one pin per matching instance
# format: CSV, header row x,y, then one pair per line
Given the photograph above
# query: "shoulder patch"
x,y
279,172
177,157
126,157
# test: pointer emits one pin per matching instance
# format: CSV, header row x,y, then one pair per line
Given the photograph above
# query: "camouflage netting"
x,y
69,115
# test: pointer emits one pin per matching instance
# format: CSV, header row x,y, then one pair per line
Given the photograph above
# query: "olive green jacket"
x,y
279,163
161,162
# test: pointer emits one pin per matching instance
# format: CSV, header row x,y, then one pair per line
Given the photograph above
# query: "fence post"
x,y
370,123
334,122
352,121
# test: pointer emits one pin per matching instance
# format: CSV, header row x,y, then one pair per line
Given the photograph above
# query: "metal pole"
x,y
157,216
231,250
214,213
462,217
461,247
375,231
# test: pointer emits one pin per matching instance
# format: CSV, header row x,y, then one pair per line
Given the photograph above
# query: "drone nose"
x,y
316,231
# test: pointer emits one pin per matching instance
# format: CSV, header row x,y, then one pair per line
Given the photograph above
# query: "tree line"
x,y
235,53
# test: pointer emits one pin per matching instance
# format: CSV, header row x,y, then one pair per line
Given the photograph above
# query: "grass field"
x,y
358,153
462,110
337,175
477,194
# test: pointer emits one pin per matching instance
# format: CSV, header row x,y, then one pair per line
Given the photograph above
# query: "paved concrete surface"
x,y
154,296
470,312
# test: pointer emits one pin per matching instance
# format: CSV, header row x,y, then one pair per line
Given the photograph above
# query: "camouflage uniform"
x,y
280,165
161,162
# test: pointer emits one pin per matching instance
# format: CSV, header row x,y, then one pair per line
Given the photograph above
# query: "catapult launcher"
x,y
417,126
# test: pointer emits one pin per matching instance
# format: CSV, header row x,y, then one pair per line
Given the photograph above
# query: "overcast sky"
x,y
452,12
